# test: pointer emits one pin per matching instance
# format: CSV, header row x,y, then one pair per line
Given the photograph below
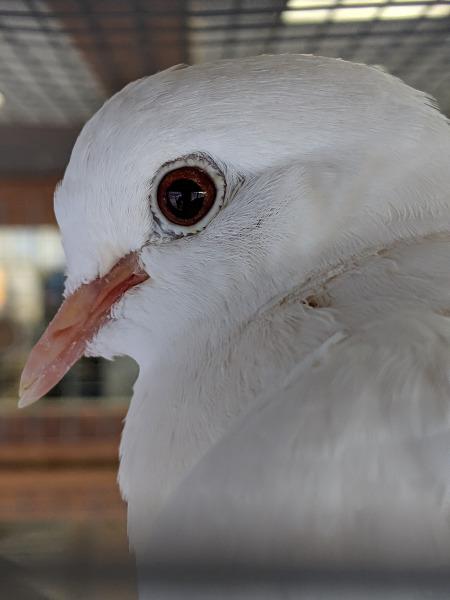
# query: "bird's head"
x,y
196,195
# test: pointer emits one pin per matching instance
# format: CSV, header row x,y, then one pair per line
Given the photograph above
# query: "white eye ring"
x,y
211,172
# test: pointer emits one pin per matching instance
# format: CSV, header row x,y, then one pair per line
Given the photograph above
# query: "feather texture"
x,y
341,455
292,402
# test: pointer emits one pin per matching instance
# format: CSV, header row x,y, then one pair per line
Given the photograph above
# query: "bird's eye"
x,y
186,195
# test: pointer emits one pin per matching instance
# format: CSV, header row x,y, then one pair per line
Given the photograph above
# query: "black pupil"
x,y
185,198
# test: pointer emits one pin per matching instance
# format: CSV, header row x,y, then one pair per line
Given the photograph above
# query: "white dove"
x,y
269,239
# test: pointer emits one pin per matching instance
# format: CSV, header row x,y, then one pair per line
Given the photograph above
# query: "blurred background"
x,y
59,61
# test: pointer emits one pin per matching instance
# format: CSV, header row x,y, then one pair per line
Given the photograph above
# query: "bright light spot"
x,y
2,99
356,14
348,11
438,11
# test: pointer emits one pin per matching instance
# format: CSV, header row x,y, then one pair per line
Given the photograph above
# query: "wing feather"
x,y
347,463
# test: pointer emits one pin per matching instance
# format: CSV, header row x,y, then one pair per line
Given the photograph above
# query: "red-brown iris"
x,y
186,195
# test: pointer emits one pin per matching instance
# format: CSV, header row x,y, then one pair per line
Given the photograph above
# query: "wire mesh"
x,y
61,58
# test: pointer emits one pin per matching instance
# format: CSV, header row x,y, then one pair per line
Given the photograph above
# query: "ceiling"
x,y
60,59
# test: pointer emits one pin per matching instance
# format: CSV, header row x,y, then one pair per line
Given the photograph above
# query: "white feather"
x,y
292,402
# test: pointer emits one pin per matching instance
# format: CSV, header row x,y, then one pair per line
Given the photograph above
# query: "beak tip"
x,y
25,401
26,397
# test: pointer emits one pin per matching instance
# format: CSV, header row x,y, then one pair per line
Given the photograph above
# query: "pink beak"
x,y
77,321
